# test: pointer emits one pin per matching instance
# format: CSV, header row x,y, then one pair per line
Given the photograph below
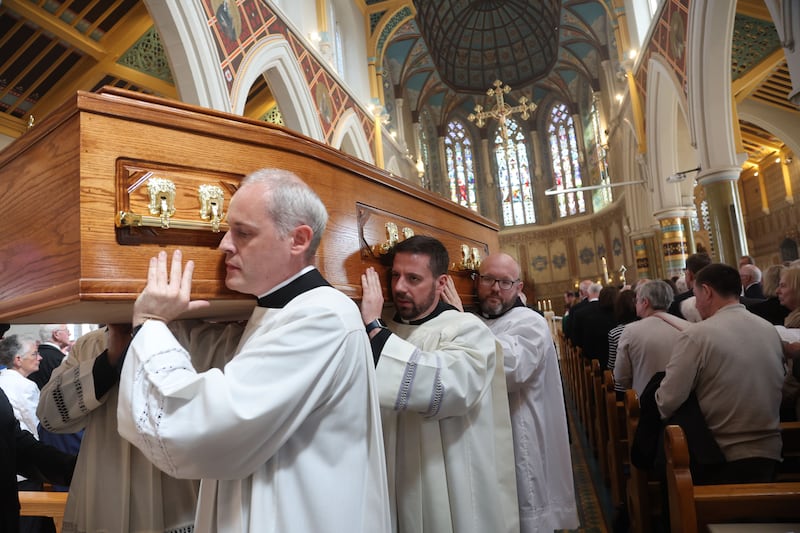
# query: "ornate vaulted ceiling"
x,y
51,48
474,43
572,43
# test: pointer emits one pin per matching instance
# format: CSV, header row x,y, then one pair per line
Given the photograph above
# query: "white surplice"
x,y
447,429
286,438
541,442
115,487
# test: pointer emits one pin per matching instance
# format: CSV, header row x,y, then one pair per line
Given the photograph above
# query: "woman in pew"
x,y
21,453
789,297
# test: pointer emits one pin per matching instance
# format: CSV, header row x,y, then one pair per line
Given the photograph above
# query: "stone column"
x,y
674,245
642,256
491,195
725,214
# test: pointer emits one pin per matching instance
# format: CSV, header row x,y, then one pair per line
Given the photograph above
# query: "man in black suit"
x,y
53,338
582,300
751,281
693,265
21,453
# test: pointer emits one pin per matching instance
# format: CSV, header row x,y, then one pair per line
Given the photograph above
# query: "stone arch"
x,y
272,57
188,42
668,146
350,138
708,74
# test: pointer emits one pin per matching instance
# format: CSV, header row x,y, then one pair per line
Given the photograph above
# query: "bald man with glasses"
x,y
545,491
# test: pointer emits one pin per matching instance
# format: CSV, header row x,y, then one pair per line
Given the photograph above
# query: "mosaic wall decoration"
x,y
237,25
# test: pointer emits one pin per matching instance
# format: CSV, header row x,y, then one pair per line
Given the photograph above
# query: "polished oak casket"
x,y
110,178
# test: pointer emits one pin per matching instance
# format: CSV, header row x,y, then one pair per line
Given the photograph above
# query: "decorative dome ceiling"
x,y
474,42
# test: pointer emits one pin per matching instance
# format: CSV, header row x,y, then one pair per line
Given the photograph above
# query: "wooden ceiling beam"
x,y
125,34
57,27
750,81
756,9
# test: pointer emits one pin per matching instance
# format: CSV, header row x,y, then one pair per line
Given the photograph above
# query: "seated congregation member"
x,y
22,454
581,299
21,358
594,321
751,282
771,309
446,423
287,436
733,362
646,345
624,314
541,445
53,339
694,263
789,297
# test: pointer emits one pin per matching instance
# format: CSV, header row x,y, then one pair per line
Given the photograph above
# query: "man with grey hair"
x,y
645,346
751,281
293,416
53,339
275,418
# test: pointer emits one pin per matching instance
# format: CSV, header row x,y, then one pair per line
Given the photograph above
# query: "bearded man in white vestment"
x,y
545,486
286,437
447,429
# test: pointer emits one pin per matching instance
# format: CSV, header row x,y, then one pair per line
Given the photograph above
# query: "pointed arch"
x,y
272,57
187,39
350,138
668,146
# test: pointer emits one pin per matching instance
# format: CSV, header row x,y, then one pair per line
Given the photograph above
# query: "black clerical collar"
x,y
304,283
517,303
438,310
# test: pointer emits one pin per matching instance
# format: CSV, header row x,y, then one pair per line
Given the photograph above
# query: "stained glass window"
x,y
460,166
513,175
564,154
603,196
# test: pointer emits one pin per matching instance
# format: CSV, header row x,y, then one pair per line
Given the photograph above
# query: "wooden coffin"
x,y
109,179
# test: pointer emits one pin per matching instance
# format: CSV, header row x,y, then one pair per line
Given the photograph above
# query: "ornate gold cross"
x,y
501,110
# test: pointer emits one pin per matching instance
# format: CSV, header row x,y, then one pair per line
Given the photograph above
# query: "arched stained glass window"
x,y
603,196
460,166
513,175
564,154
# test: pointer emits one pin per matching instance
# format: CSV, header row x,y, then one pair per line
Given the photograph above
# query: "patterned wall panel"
x,y
539,265
237,25
668,40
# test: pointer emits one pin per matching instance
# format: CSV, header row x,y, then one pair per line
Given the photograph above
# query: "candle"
x,y
605,269
549,305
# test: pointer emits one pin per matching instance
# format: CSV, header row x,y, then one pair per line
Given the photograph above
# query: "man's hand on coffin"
x,y
450,295
371,296
166,297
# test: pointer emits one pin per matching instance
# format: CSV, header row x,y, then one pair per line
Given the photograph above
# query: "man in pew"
x,y
733,362
645,346
545,487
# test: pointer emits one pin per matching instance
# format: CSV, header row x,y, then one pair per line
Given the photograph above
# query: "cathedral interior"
x,y
588,131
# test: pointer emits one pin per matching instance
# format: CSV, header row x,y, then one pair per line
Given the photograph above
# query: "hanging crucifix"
x,y
501,110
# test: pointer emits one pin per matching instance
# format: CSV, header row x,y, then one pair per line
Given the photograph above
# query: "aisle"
x,y
594,502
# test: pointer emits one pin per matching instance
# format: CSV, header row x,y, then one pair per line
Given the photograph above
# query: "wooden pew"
x,y
43,503
692,508
599,420
643,494
789,470
617,446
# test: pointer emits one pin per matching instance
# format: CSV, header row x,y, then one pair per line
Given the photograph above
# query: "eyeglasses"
x,y
504,284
